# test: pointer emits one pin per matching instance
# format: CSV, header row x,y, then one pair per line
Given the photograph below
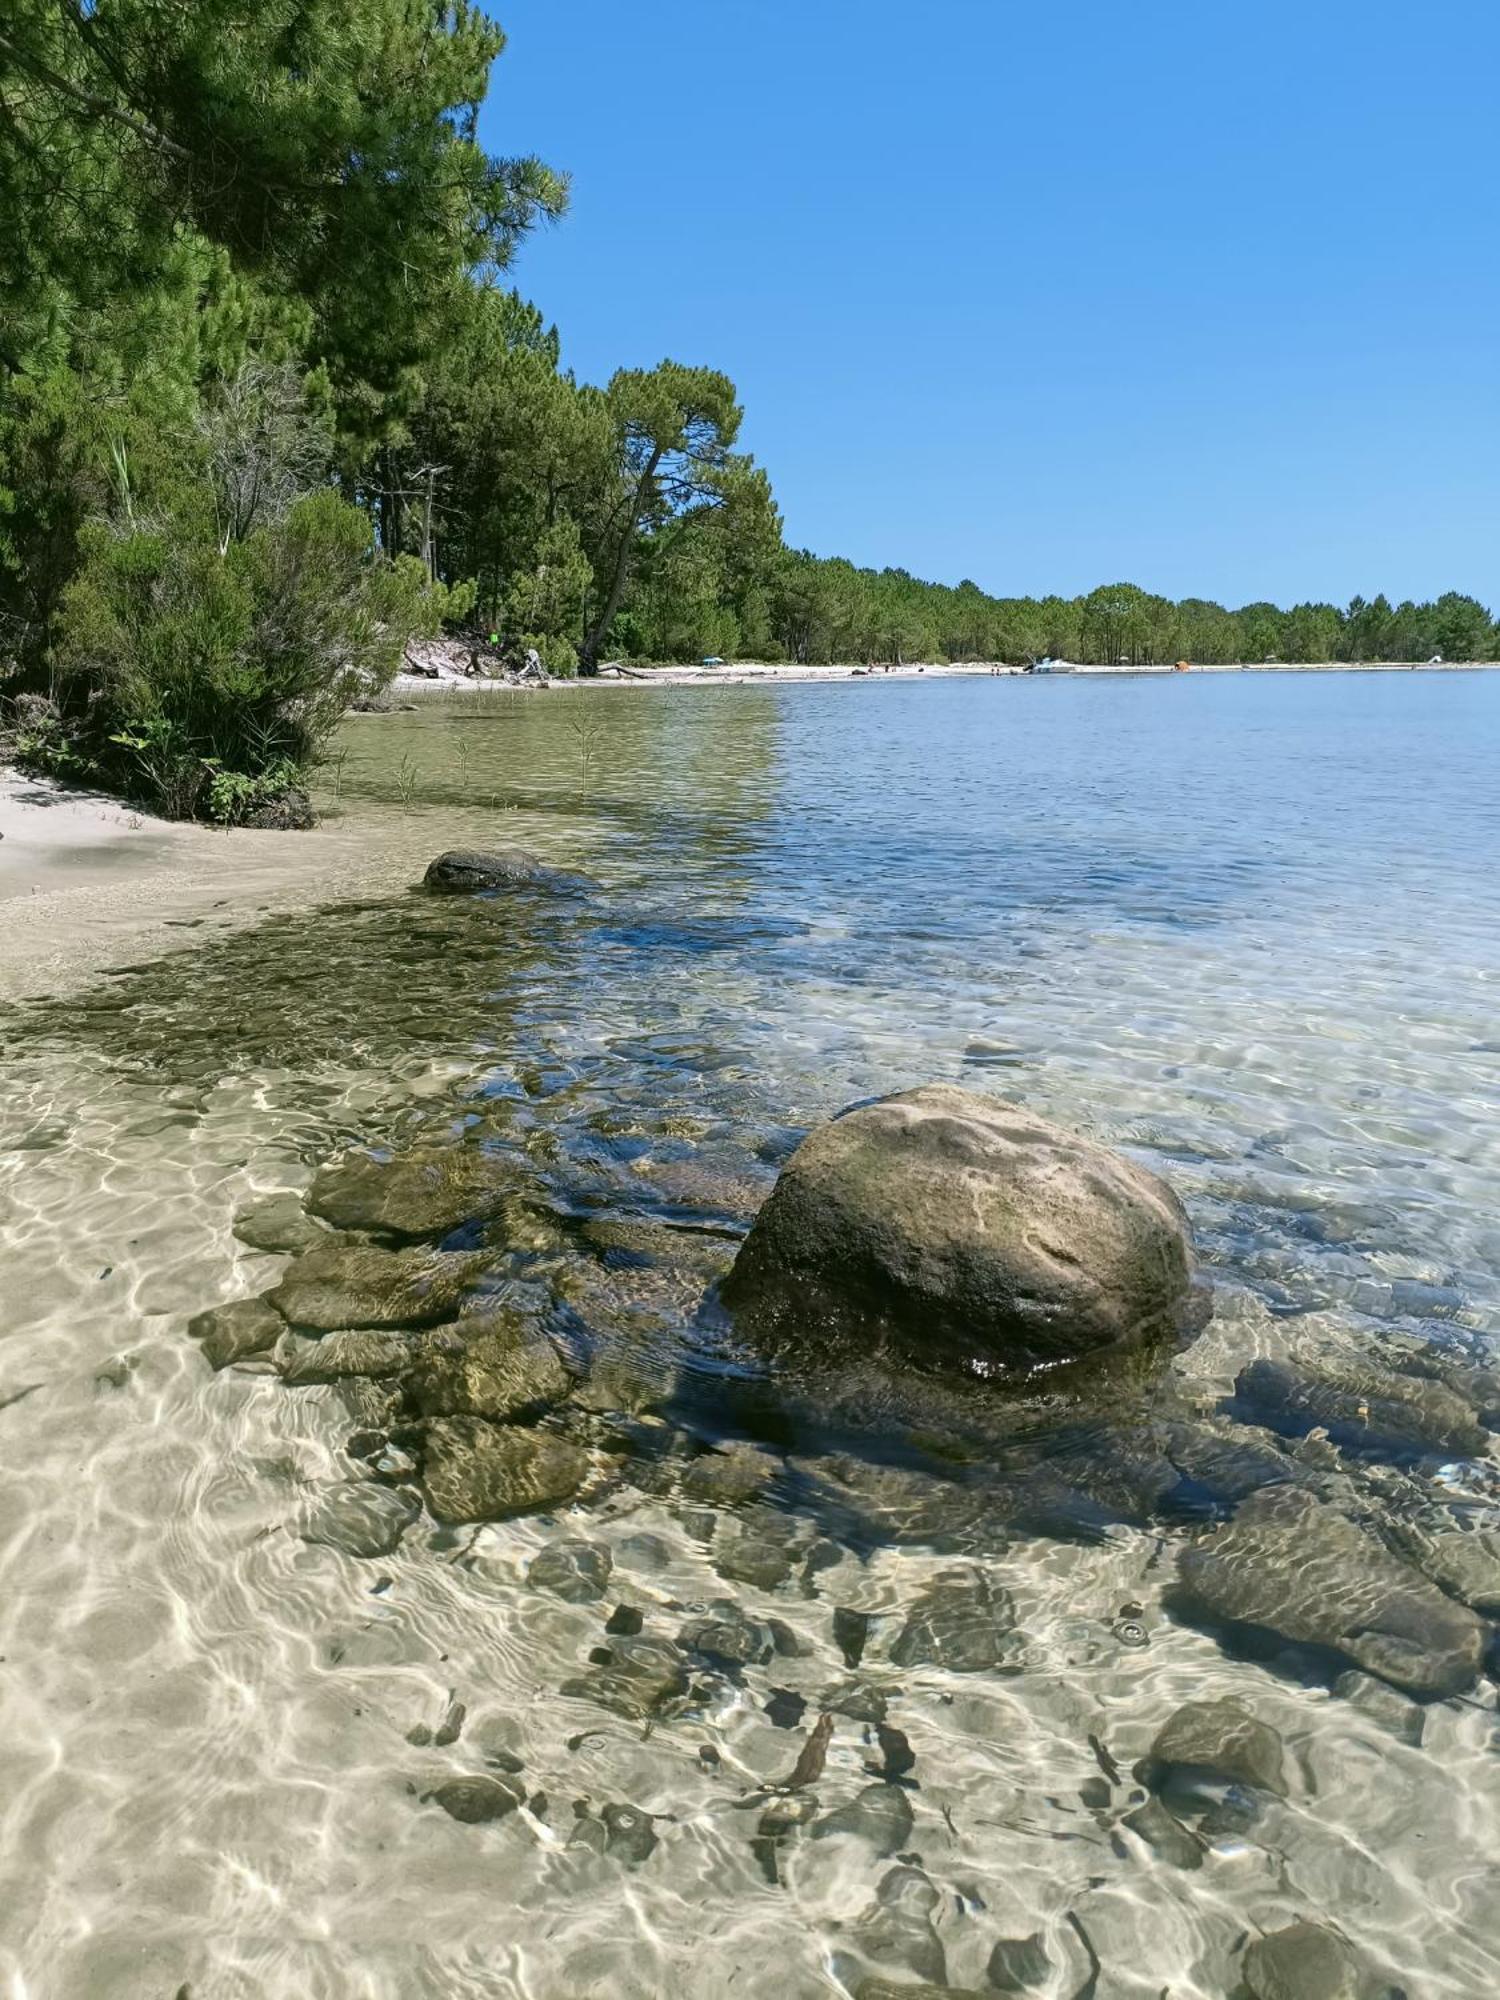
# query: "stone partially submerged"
x,y
465,870
953,1229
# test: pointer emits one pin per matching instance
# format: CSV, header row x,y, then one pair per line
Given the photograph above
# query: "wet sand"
x,y
88,885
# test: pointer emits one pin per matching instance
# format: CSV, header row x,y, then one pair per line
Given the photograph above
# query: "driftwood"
x,y
454,661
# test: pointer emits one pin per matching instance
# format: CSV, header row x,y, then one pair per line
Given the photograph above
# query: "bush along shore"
x,y
962,1328
270,413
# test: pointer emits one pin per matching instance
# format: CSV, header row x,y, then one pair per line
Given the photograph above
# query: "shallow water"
x,y
1245,927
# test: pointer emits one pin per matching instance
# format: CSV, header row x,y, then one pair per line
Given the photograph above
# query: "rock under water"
x,y
1293,1566
342,1285
426,1192
478,1471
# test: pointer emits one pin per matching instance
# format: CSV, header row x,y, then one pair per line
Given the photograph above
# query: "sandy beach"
x,y
87,884
750,673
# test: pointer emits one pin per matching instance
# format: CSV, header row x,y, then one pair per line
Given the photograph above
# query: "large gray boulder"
x,y
1291,1565
464,870
961,1230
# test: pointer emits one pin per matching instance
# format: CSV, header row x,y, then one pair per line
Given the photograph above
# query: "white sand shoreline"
x,y
751,673
88,885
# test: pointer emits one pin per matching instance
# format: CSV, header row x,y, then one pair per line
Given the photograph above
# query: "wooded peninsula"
x,y
270,409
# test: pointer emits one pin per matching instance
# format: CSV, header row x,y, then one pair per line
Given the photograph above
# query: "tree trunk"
x,y
588,653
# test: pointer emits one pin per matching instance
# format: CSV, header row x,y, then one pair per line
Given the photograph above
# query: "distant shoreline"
x,y
752,673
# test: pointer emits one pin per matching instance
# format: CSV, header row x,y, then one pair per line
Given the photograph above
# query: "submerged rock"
x,y
1019,1965
506,1369
364,1351
1165,1835
576,1571
1293,1566
1385,1705
899,1931
1302,1962
477,1800
758,1560
961,1621
477,1471
236,1331
726,1638
1220,1740
890,1989
424,1193
865,1500
962,1231
1364,1409
362,1520
631,1834
357,1285
880,1815
737,1473
1466,1563
636,1679
462,870
279,1225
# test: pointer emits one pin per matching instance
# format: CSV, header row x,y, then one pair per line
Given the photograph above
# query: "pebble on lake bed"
x,y
476,1801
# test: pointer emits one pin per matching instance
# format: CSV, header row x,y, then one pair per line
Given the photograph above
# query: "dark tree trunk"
x,y
598,632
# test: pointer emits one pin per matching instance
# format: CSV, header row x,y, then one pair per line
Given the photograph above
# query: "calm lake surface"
x,y
1244,927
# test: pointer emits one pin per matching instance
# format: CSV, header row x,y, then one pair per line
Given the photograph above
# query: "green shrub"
x,y
203,678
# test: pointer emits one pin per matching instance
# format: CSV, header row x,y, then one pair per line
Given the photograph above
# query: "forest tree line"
x,y
270,408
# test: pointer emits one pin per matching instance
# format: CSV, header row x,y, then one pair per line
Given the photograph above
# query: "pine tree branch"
x,y
90,101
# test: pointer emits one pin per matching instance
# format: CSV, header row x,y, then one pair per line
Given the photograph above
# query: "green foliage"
x,y
268,407
199,675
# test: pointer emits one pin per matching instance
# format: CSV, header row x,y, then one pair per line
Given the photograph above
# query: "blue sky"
x,y
1203,296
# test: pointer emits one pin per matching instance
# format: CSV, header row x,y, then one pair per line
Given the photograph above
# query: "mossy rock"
x,y
502,1369
478,1471
425,1193
344,1285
